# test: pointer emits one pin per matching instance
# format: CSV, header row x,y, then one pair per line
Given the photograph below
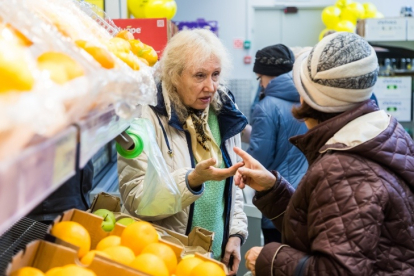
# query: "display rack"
x,y
97,130
35,173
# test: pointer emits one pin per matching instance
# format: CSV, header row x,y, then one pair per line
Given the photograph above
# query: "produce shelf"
x,y
36,172
97,130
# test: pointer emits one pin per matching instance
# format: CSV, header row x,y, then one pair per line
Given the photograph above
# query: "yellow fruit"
x,y
136,46
119,45
144,61
81,43
54,271
27,271
128,59
186,265
14,71
101,55
12,34
74,233
125,34
149,54
207,269
71,270
138,235
150,264
88,258
121,254
109,241
164,252
61,67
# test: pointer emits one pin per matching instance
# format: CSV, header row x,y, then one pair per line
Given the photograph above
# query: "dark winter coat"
x,y
353,212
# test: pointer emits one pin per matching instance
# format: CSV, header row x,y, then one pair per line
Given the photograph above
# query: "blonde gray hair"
x,y
189,49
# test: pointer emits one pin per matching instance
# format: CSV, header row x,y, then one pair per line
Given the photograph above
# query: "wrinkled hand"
x,y
205,171
232,249
253,173
251,257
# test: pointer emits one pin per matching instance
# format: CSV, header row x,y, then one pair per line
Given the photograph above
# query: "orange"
x,y
71,270
27,271
121,254
14,71
150,264
138,235
136,46
128,59
117,44
74,233
149,54
187,264
61,67
109,241
125,34
53,271
164,252
100,55
88,258
207,269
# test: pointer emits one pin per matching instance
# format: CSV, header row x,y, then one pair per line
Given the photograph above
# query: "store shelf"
x,y
34,174
97,130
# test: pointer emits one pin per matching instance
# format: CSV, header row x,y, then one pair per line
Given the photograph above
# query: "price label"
x,y
65,158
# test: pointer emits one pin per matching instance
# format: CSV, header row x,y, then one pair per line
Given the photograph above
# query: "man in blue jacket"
x,y
272,121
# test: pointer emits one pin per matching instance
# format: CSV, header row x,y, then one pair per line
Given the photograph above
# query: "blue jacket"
x,y
273,125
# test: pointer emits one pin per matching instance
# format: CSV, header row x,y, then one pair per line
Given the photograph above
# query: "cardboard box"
x,y
45,255
152,31
199,240
92,223
198,237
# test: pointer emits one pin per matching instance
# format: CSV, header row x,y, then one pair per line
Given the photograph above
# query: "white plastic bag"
x,y
160,195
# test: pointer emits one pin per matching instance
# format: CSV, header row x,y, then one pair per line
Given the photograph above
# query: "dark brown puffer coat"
x,y
353,211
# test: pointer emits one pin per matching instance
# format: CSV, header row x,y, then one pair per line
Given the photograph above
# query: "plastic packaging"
x,y
160,194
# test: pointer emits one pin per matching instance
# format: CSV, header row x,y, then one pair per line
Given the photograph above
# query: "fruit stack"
x,y
137,246
57,64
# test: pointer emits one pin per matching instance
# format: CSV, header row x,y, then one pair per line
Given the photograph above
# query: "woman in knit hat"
x,y
353,211
273,124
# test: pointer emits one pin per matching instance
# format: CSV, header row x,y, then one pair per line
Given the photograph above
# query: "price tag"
x,y
65,158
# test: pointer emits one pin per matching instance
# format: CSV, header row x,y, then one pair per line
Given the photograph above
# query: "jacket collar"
x,y
311,143
231,120
282,87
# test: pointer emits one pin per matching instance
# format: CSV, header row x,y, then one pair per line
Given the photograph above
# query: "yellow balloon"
x,y
348,15
325,32
379,15
156,9
342,3
370,10
330,16
345,26
171,6
137,7
355,10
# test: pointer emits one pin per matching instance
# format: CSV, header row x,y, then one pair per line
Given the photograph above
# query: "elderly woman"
x,y
353,211
197,124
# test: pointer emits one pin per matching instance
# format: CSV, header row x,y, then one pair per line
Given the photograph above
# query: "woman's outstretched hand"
x,y
253,173
205,171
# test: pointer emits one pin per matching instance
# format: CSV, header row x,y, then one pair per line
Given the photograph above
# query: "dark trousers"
x,y
271,235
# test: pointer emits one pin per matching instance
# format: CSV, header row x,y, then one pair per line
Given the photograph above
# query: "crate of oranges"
x,y
137,245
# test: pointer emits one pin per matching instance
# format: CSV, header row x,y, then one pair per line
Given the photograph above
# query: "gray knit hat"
x,y
337,74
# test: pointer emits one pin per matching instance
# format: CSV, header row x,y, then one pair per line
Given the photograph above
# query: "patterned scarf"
x,y
202,141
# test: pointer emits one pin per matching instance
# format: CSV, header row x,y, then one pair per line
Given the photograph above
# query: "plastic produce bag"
x,y
160,195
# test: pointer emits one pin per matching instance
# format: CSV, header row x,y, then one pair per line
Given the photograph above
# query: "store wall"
x,y
264,23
